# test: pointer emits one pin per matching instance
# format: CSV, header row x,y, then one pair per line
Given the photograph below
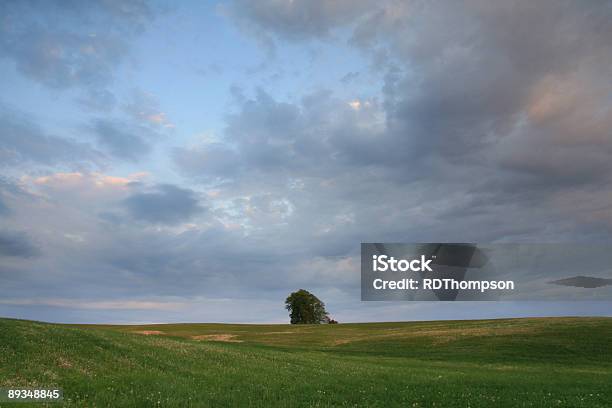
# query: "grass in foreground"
x,y
516,363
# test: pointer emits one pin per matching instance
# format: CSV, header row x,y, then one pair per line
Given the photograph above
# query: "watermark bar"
x,y
477,272
17,394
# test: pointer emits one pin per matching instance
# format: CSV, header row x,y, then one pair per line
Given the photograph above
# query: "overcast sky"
x,y
199,161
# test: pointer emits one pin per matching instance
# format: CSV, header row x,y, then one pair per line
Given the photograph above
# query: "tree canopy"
x,y
305,308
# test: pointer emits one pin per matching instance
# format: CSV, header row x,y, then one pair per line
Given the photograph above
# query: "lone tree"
x,y
305,308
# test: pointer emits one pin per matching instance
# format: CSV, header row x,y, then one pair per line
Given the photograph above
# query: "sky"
x,y
198,161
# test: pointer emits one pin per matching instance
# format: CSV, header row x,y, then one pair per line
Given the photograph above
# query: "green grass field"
x,y
548,362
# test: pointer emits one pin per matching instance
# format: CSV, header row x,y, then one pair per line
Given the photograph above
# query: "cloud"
x,y
132,136
296,19
163,204
100,100
144,108
4,210
312,137
84,186
5,188
209,161
583,282
17,244
483,56
123,139
350,77
64,45
22,142
507,103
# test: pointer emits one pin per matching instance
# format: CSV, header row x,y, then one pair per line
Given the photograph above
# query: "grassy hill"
x,y
515,362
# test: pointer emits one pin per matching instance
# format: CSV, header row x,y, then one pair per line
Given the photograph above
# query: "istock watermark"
x,y
469,271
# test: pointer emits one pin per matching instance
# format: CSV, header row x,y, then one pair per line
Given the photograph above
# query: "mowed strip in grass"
x,y
517,362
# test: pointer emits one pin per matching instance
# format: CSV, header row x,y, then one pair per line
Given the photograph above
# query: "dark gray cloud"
x,y
17,244
583,282
521,101
164,204
67,44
